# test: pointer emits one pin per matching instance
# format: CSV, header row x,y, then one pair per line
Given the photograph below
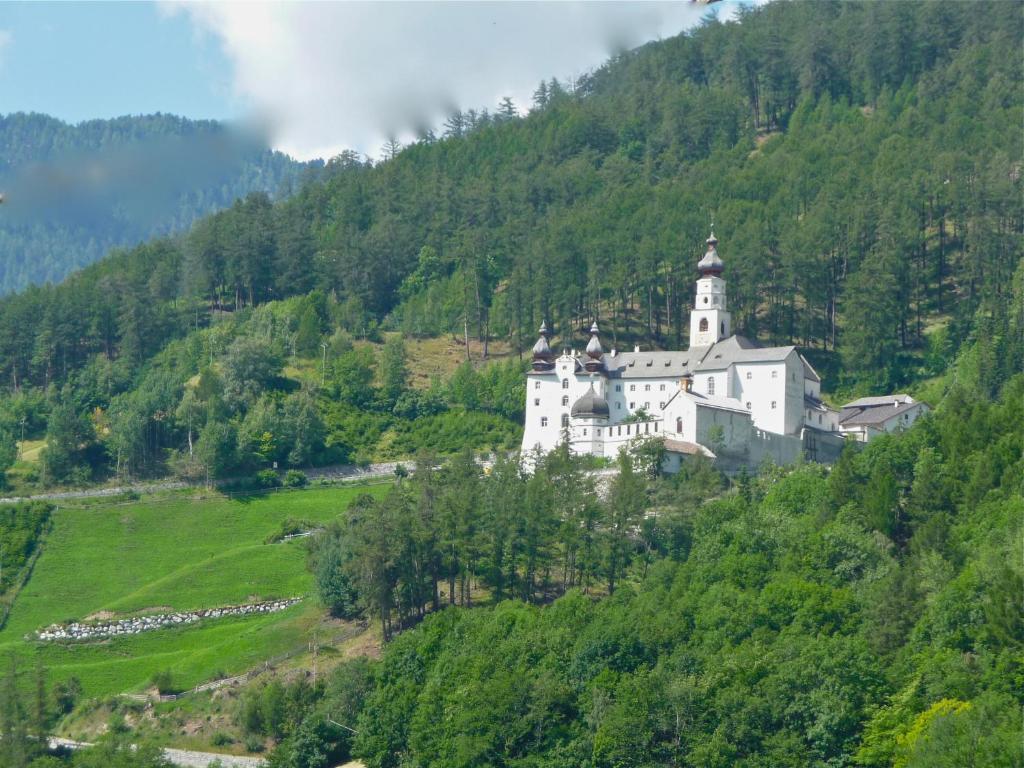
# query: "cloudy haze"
x,y
328,77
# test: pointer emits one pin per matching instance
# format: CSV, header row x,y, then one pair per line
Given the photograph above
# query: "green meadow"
x,y
176,552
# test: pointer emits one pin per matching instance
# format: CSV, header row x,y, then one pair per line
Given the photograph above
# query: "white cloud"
x,y
325,77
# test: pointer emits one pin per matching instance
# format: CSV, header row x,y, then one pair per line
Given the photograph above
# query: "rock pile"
x,y
136,624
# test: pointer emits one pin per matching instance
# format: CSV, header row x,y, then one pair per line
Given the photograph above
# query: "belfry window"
x,y
711,385
565,383
703,325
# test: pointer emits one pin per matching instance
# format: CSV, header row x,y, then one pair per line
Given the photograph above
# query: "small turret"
x,y
595,353
543,357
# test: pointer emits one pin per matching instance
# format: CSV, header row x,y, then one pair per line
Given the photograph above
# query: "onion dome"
x,y
711,264
590,406
543,357
594,351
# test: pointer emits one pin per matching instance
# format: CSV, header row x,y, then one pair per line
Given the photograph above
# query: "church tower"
x,y
710,321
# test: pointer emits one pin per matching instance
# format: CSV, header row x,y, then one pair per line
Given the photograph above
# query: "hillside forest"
x,y
861,163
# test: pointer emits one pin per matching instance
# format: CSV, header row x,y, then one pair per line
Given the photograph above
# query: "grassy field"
x,y
180,553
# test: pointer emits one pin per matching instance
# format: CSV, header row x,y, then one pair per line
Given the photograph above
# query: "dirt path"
x,y
338,473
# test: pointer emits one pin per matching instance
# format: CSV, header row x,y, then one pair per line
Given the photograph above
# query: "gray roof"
x,y
739,349
716,357
873,415
722,403
650,365
870,402
809,372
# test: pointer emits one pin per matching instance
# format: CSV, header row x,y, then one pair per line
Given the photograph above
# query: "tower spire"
x,y
710,321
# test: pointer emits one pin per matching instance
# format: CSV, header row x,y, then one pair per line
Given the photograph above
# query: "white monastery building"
x,y
725,396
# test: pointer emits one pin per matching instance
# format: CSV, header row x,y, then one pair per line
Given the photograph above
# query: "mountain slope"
x,y
861,161
73,192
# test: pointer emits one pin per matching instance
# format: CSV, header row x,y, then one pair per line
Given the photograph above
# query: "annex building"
x,y
725,396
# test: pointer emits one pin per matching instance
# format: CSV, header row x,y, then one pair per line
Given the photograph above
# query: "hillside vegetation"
x,y
865,616
861,162
73,192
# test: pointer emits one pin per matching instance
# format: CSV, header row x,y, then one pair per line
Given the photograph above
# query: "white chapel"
x,y
725,396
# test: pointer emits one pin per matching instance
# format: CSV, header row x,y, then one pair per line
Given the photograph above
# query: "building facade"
x,y
724,396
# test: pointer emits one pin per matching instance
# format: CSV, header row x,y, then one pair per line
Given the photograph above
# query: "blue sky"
x,y
77,61
317,77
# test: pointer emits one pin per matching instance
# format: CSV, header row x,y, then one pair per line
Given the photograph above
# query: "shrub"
x,y
293,478
267,478
163,681
221,739
254,743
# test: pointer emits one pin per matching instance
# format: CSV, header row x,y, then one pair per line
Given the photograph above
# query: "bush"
x,y
253,743
268,478
293,478
163,681
221,739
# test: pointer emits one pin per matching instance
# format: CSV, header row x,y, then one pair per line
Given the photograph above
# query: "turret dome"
x,y
590,406
594,350
711,263
543,357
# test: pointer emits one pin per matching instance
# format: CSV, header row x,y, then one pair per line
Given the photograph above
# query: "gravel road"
x,y
182,757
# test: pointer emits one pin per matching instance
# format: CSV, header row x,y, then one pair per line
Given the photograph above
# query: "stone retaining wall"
x,y
136,624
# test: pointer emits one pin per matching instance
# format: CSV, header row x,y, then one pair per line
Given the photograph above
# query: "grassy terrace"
x,y
180,553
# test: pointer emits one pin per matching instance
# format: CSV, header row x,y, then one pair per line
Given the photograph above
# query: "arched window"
x,y
711,385
703,325
565,419
565,399
565,383
679,425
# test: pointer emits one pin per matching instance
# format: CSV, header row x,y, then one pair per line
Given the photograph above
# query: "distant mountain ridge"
x,y
73,192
